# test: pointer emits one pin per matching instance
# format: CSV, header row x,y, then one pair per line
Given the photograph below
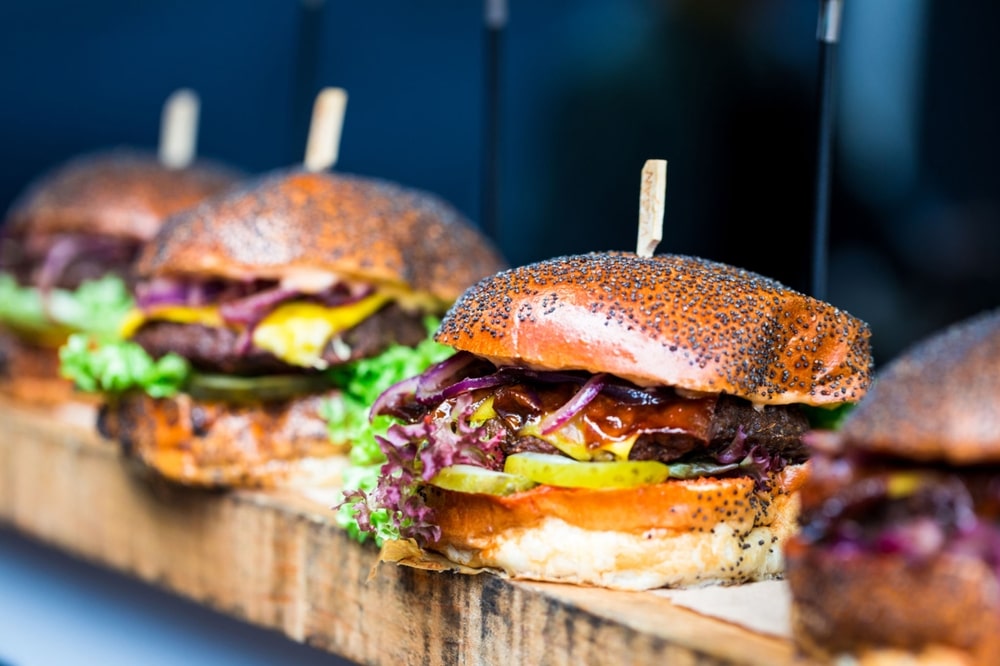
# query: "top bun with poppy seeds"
x,y
667,319
299,222
952,419
122,193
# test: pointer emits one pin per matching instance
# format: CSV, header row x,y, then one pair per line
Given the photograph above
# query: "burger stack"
x,y
250,307
898,556
615,420
66,250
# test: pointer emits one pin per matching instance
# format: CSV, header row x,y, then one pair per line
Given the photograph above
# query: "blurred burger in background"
x,y
898,553
269,311
66,249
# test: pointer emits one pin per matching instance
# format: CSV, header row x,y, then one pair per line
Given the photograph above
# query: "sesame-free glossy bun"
x,y
356,227
937,401
121,193
666,319
680,533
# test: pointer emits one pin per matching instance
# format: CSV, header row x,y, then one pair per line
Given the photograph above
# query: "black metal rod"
x,y
828,34
305,84
495,19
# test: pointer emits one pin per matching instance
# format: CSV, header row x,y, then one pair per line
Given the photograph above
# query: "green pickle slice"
x,y
555,470
236,389
473,479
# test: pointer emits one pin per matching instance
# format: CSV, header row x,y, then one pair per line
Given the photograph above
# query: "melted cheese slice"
x,y
207,315
297,333
570,440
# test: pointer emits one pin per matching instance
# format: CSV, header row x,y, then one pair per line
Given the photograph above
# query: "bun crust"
x,y
937,401
30,374
356,227
120,193
213,444
667,319
868,603
678,533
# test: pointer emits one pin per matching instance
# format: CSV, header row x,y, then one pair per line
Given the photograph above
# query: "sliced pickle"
x,y
265,388
555,470
472,479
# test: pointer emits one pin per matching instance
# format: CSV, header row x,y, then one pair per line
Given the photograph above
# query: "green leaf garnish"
x,y
96,307
117,367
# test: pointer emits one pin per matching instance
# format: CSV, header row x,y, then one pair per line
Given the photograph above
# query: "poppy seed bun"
x,y
879,565
866,604
937,401
120,193
666,319
215,444
678,534
356,227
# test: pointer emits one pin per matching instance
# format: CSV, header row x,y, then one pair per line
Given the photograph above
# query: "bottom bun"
x,y
215,444
30,374
872,605
673,534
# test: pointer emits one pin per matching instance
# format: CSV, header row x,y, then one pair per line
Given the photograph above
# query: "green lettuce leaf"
x,y
96,307
116,367
828,418
362,382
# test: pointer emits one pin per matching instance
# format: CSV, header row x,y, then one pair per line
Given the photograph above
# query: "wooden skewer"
x,y
323,144
652,193
179,129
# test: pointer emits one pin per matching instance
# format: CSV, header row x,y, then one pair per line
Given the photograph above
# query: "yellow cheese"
x,y
297,333
570,440
207,315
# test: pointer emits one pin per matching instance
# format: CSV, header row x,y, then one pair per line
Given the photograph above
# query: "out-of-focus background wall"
x,y
723,89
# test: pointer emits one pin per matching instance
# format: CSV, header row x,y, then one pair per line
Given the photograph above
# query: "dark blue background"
x,y
724,90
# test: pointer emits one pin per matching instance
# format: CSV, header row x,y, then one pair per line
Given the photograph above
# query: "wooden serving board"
x,y
276,559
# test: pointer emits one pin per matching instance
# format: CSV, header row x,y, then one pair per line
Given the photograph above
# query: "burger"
x,y
614,420
260,312
898,551
66,249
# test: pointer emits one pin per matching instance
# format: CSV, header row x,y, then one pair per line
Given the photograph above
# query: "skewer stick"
x,y
179,129
828,34
323,144
652,193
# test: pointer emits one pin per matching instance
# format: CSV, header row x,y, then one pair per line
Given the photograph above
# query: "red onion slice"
x,y
439,376
253,308
391,401
574,405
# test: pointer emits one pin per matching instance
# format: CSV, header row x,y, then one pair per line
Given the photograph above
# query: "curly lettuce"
x,y
362,381
117,367
414,454
97,307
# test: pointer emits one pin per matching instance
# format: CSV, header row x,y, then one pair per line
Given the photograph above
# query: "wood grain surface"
x,y
276,559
